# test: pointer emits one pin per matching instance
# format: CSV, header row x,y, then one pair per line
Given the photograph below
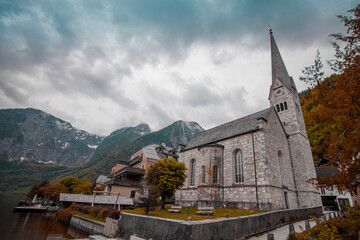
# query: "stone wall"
x,y
231,228
87,225
304,170
274,180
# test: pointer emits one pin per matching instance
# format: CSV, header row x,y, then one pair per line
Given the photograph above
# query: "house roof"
x,y
150,151
231,129
99,199
322,171
101,179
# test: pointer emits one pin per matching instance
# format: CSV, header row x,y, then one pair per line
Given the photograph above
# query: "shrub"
x,y
101,213
350,224
321,231
64,215
115,214
95,212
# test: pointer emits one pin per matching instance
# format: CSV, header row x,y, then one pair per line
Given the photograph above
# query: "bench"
x,y
176,209
205,211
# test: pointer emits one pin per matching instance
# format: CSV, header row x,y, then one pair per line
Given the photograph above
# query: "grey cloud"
x,y
222,57
13,93
199,95
63,41
156,111
145,29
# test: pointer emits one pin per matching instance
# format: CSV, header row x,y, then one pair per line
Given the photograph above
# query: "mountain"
x,y
172,135
119,139
50,145
31,134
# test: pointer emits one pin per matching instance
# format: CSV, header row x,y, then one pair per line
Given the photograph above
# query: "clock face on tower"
x,y
279,91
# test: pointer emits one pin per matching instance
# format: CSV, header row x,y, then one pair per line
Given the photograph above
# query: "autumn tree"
x,y
149,195
37,190
332,110
54,190
166,175
75,185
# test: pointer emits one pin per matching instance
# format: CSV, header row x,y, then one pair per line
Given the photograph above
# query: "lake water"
x,y
30,226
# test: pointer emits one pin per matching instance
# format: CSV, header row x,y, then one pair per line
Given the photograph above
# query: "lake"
x,y
30,226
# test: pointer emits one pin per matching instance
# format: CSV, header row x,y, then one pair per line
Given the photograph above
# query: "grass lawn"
x,y
219,213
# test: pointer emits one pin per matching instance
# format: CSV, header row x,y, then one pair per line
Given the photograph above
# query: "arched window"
x,y
281,107
285,105
215,174
192,172
277,107
280,167
203,174
239,170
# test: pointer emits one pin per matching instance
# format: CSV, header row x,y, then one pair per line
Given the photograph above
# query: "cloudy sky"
x,y
102,65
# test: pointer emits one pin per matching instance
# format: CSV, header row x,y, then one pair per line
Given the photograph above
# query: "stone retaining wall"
x,y
87,225
231,228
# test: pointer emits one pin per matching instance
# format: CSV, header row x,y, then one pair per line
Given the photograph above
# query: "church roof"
x,y
278,68
231,129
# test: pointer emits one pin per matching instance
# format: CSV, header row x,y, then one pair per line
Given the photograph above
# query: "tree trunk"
x,y
162,202
147,208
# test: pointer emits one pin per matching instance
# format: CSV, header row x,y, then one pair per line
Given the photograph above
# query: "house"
x,y
332,198
259,161
125,177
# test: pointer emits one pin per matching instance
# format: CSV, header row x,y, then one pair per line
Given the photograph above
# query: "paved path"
x,y
282,233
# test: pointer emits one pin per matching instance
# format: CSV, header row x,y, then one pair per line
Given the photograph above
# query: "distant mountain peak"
x,y
143,129
36,135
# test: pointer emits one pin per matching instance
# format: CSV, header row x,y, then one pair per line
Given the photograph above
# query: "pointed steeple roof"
x,y
278,67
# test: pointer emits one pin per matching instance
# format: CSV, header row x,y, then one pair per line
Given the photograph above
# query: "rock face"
x,y
118,140
181,132
31,134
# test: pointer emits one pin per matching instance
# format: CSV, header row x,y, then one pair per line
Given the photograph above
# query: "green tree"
x,y
166,175
313,73
75,185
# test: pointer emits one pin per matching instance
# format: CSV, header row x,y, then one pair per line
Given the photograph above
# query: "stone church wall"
x,y
267,143
304,170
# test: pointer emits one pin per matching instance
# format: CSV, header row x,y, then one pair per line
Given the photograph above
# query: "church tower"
x,y
283,96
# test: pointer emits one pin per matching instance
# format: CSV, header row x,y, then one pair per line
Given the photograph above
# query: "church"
x,y
260,161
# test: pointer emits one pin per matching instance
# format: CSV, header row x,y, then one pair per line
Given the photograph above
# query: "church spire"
x,y
278,67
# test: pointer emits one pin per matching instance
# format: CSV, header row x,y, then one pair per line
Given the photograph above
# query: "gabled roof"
x,y
102,179
99,199
323,171
278,68
151,153
231,129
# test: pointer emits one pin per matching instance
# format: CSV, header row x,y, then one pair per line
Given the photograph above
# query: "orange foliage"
x,y
334,123
332,109
54,191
